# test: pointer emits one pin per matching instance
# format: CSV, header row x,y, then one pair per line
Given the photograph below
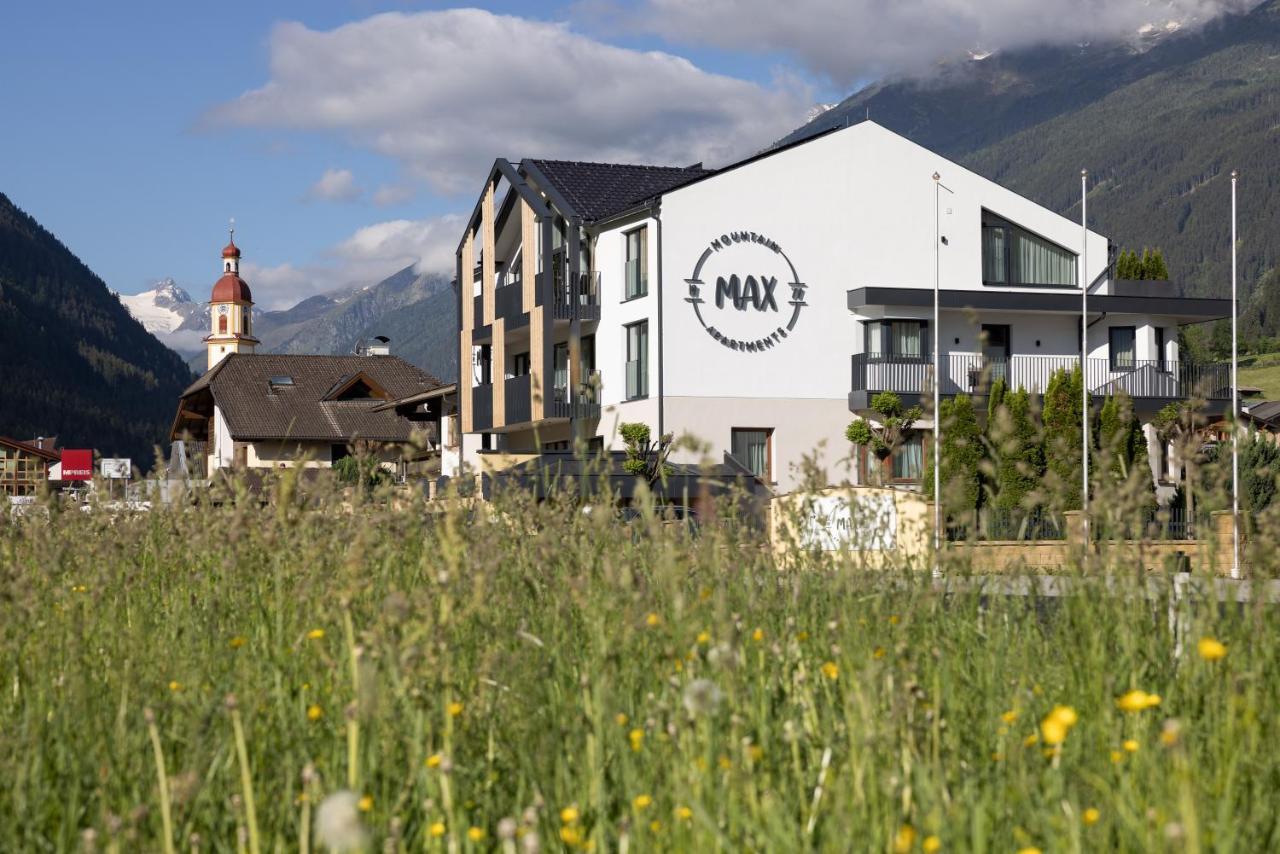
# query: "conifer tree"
x,y
995,399
962,454
1156,268
1020,463
1144,266
1062,408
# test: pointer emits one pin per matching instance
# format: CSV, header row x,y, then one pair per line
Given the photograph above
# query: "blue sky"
x,y
135,130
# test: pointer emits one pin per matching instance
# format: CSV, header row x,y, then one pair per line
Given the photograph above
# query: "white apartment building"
x,y
758,307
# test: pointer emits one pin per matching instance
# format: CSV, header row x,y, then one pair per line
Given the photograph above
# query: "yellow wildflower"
x,y
724,762
1130,745
455,709
878,652
620,719
475,834
704,636
1211,650
1116,756
684,813
434,760
642,802
1170,732
1138,701
997,757
1065,715
366,803
1030,849
1009,716
1090,816
1030,740
314,712
1052,731
655,826
570,835
437,829
831,670
315,634
569,815
931,845
175,685
904,839
802,636
238,641
893,619
757,635
652,620
636,737
756,752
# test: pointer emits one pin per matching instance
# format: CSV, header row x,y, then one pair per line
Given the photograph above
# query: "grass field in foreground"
x,y
536,678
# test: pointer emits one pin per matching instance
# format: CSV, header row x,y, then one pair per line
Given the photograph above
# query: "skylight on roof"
x,y
281,379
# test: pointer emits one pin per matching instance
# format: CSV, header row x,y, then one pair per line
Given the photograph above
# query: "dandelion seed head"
x,y
701,697
338,824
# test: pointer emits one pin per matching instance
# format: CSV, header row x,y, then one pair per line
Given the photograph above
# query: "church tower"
x,y
230,310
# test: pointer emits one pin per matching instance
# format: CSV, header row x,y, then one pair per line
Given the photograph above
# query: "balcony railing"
x,y
973,374
637,284
577,296
637,379
584,403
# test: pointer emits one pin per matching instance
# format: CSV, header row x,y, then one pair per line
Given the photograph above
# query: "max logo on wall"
x,y
739,291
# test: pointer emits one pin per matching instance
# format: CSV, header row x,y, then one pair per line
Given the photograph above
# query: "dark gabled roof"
x,y
257,409
1267,411
27,447
599,190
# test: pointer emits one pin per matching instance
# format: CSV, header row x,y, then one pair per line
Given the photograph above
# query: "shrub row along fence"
x,y
995,524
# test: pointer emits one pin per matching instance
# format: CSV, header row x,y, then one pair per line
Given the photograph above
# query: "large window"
x,y
637,360
897,339
560,362
1011,255
753,447
908,459
1161,359
519,364
637,263
1123,348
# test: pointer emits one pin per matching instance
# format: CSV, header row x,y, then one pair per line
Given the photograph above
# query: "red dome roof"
x,y
231,288
231,251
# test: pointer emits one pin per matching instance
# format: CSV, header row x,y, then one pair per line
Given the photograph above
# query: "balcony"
x,y
968,373
584,404
577,297
482,406
518,400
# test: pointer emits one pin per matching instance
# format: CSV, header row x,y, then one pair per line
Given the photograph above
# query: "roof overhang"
x,y
420,397
1185,309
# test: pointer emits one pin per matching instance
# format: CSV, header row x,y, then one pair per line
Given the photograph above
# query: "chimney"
x,y
380,346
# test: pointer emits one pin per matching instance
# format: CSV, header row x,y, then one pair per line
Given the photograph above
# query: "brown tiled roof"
x,y
600,190
256,409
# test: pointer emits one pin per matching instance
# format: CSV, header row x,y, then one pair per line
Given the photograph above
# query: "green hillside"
x,y
73,362
1159,126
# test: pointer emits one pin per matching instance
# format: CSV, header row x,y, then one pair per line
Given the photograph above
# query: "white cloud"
x,y
847,41
335,185
446,92
392,194
366,257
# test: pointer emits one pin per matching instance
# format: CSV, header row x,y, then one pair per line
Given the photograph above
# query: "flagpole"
x,y
937,381
1235,400
1084,351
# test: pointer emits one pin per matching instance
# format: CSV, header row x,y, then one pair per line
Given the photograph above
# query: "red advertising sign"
x,y
77,465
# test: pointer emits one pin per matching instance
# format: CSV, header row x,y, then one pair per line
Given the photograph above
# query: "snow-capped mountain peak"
x,y
163,308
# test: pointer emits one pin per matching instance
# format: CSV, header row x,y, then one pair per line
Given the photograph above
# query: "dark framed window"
x,y
637,361
560,363
587,354
519,364
1123,348
904,465
637,267
753,447
897,339
1161,359
1011,255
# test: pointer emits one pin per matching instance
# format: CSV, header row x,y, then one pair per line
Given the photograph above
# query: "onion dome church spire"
x,y
230,309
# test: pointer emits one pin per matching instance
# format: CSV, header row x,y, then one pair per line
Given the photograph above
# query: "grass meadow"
x,y
529,677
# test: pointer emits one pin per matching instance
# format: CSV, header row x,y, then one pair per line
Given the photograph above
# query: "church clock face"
x,y
223,310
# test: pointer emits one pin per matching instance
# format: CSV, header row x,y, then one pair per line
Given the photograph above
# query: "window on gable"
x,y
1011,255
